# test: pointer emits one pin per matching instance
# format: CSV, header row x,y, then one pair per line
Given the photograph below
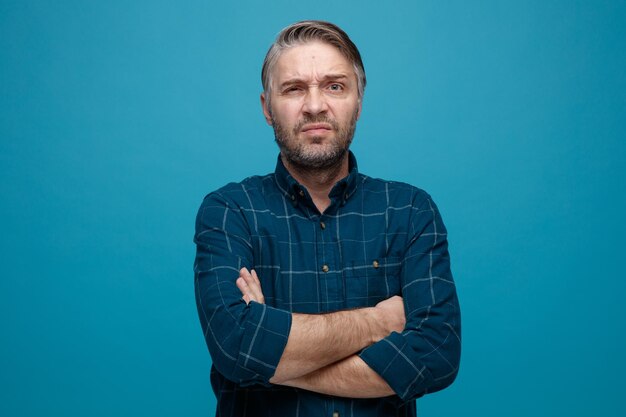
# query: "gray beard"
x,y
297,155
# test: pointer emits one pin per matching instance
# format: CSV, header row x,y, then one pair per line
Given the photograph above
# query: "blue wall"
x,y
117,117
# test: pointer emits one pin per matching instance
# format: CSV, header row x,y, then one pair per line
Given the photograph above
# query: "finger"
x,y
245,274
253,282
245,289
250,279
259,293
242,285
253,285
255,277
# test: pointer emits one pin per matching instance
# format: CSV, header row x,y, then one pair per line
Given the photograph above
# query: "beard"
x,y
304,155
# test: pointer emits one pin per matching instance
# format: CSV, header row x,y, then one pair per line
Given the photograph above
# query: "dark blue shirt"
x,y
376,239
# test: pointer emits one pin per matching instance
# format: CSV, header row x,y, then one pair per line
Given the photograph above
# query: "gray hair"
x,y
307,31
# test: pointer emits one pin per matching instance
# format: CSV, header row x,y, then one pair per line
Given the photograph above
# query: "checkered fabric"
x,y
377,239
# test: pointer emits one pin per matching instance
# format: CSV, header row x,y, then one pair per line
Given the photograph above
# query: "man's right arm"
x,y
245,340
249,341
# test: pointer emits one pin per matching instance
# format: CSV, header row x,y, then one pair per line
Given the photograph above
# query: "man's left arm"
x,y
425,357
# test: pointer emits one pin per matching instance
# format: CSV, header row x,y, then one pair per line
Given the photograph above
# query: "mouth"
x,y
316,128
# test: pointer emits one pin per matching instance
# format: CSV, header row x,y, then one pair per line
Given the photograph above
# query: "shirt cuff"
x,y
393,359
264,340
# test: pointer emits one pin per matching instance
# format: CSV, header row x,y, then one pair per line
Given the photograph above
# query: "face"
x,y
313,106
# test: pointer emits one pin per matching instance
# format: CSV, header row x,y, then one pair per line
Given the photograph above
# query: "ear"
x,y
358,113
266,109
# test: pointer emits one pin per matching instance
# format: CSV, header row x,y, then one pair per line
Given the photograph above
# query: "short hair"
x,y
305,31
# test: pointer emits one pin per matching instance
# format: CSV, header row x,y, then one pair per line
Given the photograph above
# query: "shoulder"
x,y
394,190
241,193
231,204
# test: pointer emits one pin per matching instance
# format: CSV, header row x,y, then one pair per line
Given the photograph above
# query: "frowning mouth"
x,y
316,127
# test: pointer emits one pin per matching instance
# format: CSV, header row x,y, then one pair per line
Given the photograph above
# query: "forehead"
x,y
312,59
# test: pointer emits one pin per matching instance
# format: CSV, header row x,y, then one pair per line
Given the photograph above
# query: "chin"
x,y
318,152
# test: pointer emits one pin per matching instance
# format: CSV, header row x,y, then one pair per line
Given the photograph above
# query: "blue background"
x,y
117,117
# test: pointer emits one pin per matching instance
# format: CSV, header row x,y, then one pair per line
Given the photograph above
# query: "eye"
x,y
292,89
335,87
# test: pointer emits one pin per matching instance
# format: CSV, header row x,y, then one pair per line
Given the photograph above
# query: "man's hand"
x,y
391,316
250,286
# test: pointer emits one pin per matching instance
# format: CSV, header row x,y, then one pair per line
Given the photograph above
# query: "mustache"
x,y
316,119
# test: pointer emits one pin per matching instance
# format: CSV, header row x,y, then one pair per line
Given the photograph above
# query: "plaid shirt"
x,y
377,239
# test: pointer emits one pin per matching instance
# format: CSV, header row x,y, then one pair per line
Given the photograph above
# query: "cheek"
x,y
286,116
349,113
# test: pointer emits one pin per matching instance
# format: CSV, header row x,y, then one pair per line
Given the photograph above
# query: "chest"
x,y
314,263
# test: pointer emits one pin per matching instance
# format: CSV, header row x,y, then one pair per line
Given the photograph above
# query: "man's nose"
x,y
315,102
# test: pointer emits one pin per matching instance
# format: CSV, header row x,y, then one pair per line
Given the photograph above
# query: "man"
x,y
321,291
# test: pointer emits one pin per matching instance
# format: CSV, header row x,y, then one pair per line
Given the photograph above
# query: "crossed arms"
x,y
407,354
320,354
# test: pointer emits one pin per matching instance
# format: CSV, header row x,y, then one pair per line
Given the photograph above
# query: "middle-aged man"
x,y
322,291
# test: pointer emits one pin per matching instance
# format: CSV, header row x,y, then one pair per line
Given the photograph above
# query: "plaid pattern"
x,y
377,239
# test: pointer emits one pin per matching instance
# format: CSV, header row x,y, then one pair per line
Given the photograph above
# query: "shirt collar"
x,y
341,191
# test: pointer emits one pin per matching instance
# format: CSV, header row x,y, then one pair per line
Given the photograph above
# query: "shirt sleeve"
x,y
245,341
425,356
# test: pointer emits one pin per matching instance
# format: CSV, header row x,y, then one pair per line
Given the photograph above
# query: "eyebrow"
x,y
328,77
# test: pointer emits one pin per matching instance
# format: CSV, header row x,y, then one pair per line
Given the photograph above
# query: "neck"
x,y
319,181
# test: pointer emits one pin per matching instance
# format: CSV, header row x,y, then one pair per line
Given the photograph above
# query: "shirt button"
x,y
375,264
325,268
301,192
323,225
293,197
336,414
